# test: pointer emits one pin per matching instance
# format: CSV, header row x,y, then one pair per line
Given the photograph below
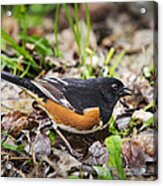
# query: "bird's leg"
x,y
70,149
49,123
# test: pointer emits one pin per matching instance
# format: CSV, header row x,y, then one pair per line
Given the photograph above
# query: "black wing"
x,y
53,88
72,93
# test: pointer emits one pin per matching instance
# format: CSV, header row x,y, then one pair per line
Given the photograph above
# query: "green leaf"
x,y
109,56
42,45
103,173
10,62
70,20
75,31
113,144
19,49
20,147
13,147
116,63
51,136
112,128
40,8
148,123
57,51
150,105
73,177
13,63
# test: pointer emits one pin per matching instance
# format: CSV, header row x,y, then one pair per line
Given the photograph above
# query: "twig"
x,y
19,172
70,149
34,155
16,158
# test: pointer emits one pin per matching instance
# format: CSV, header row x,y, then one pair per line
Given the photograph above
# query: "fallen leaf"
x,y
140,148
15,122
97,154
142,115
42,146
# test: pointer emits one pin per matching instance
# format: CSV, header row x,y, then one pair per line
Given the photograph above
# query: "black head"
x,y
111,89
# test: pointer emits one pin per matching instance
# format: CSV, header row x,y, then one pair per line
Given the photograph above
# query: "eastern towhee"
x,y
74,104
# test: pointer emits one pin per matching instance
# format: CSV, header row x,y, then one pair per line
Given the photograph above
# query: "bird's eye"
x,y
114,86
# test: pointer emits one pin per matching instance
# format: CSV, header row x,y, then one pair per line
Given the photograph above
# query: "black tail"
x,y
23,82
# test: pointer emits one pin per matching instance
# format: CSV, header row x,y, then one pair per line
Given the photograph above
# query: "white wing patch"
x,y
56,80
44,90
57,95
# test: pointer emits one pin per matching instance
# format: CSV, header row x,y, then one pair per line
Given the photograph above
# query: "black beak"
x,y
125,92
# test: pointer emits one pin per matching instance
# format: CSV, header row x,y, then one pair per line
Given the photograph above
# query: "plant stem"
x,y
56,30
76,34
116,63
87,43
109,56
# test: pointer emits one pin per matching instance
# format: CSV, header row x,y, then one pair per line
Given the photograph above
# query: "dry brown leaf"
x,y
42,146
97,154
14,122
138,149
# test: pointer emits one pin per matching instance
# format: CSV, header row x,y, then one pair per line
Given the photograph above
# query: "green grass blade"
x,y
23,22
113,144
148,123
70,20
150,105
88,23
103,173
26,70
77,19
56,30
18,148
116,63
19,49
109,56
76,31
10,62
87,43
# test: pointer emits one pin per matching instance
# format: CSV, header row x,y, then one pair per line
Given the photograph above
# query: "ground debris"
x,y
14,122
140,150
97,154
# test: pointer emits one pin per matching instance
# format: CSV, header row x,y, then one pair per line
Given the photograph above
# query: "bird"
x,y
75,105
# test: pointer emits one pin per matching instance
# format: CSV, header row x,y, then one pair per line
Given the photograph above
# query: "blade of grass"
x,y
75,33
56,30
109,56
23,24
77,30
18,49
148,123
116,63
41,44
91,53
87,42
68,15
26,70
88,23
77,20
19,148
150,105
12,63
113,144
103,173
